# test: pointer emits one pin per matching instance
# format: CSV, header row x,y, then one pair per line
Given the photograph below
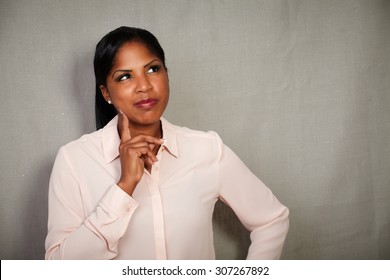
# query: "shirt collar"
x,y
111,139
169,135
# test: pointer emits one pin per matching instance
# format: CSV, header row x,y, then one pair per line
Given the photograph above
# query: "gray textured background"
x,y
300,90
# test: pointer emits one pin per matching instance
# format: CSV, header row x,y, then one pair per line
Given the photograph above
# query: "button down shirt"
x,y
169,215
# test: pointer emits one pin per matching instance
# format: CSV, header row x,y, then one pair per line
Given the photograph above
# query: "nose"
x,y
143,84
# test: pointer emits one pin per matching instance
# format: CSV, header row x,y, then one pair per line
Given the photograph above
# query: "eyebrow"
x,y
129,70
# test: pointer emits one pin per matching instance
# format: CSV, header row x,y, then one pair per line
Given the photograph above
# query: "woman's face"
x,y
137,84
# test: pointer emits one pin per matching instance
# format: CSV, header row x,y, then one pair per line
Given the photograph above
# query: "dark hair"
x,y
103,62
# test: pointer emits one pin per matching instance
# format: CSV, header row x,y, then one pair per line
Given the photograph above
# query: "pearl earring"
x,y
109,102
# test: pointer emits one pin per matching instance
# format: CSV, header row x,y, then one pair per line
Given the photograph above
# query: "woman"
x,y
142,188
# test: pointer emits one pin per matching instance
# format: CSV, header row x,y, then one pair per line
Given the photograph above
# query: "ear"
x,y
105,93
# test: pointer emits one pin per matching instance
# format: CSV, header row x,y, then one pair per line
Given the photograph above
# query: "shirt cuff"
x,y
118,201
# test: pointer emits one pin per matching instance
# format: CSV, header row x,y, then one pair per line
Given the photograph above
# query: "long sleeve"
x,y
73,233
169,215
254,204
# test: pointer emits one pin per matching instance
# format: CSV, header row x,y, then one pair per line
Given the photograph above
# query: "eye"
x,y
124,77
154,69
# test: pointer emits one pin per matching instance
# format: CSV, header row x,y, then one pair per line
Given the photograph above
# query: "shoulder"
x,y
196,135
87,143
189,134
195,141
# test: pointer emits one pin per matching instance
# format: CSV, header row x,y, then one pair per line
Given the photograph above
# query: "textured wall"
x,y
300,90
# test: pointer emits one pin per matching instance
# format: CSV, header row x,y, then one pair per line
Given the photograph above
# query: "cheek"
x,y
122,91
164,85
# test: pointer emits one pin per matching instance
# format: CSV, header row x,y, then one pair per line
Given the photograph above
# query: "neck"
x,y
154,129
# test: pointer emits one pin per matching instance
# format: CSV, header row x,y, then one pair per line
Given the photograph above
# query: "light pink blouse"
x,y
169,215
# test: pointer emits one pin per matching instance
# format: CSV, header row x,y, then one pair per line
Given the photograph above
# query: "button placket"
x,y
155,171
158,215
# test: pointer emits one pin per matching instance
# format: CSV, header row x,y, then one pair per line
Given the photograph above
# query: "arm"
x,y
75,234
254,204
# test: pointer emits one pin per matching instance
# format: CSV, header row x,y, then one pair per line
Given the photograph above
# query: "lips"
x,y
146,103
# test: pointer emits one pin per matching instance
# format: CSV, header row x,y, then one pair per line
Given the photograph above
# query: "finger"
x,y
142,152
152,157
141,144
149,161
147,154
123,126
150,139
131,145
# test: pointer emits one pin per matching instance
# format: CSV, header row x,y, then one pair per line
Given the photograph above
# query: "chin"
x,y
148,120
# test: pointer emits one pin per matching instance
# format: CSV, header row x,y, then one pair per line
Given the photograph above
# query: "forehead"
x,y
133,54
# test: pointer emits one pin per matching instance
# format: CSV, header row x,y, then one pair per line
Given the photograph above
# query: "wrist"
x,y
127,186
